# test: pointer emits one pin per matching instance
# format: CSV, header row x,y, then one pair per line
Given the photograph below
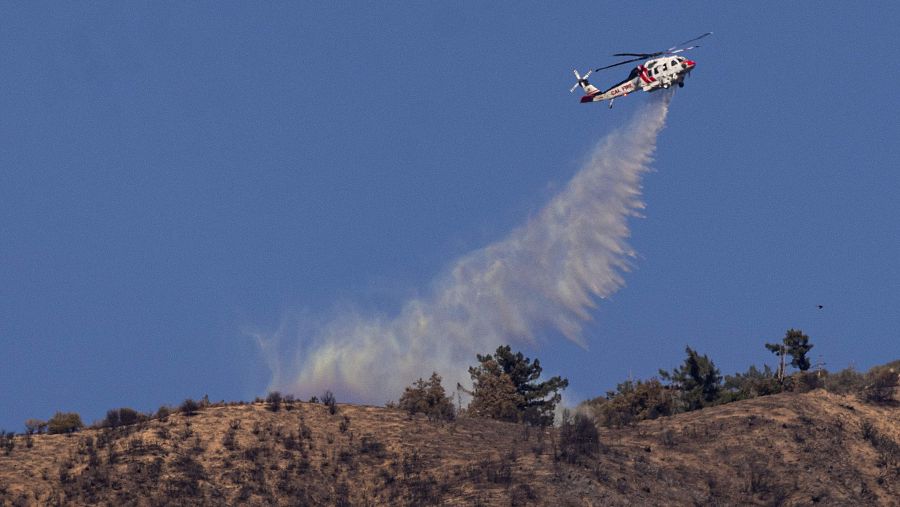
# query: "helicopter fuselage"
x,y
652,75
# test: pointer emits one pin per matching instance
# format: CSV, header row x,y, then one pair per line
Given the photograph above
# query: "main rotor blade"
x,y
641,55
682,49
687,41
617,64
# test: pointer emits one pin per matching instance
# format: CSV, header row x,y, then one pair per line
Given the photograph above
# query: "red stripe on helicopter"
x,y
644,76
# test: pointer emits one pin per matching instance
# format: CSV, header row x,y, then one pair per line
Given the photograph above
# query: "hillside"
x,y
793,449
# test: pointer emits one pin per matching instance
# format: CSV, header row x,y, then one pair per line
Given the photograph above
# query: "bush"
x,y
752,383
845,381
189,407
428,398
632,401
880,385
164,411
122,417
577,437
7,442
806,381
64,422
369,445
33,426
329,401
274,400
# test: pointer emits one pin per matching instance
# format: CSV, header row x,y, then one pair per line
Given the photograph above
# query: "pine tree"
x,y
534,401
698,379
798,346
794,344
779,350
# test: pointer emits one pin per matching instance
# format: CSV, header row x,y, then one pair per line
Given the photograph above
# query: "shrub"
x,y
428,398
667,438
880,385
577,437
805,381
888,449
229,441
33,426
64,422
329,401
122,417
189,407
7,441
632,401
522,494
369,445
845,381
752,383
164,411
274,400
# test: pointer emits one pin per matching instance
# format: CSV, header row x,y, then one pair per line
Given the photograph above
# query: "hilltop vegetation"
x,y
794,448
689,437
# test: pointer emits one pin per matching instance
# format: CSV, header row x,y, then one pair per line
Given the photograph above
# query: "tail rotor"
x,y
580,80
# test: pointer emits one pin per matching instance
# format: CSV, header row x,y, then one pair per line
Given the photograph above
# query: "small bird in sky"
x,y
820,307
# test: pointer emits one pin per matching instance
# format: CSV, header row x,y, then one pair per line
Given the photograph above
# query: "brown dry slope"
x,y
791,449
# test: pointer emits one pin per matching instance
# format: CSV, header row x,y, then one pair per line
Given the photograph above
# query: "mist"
x,y
540,281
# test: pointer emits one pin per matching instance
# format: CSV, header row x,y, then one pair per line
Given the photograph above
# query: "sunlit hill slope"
x,y
794,449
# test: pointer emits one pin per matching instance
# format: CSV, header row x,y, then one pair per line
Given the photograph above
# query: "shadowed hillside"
x,y
794,449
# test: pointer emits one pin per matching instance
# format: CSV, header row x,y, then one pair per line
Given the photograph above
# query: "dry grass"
x,y
793,449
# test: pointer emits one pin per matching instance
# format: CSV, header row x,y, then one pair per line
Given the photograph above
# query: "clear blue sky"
x,y
173,177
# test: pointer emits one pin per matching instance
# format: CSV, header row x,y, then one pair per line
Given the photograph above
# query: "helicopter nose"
x,y
690,63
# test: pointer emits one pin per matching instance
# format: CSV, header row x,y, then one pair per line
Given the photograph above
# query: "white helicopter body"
x,y
659,72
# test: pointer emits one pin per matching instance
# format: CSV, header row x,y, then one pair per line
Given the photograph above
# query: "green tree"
x,y
794,344
429,398
534,401
698,379
798,346
779,350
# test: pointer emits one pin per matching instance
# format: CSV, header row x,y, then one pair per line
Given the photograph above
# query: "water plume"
x,y
542,279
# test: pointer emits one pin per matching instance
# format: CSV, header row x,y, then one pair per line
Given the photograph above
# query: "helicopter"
x,y
661,70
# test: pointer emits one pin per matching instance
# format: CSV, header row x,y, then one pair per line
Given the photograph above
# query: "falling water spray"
x,y
543,278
